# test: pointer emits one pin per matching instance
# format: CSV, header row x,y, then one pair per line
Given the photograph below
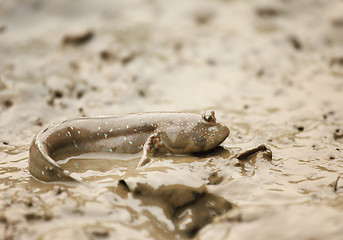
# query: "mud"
x,y
272,71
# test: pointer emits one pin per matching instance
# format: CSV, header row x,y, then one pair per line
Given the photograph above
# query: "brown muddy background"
x,y
272,70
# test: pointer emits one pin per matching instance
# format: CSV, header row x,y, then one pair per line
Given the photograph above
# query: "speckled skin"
x,y
151,132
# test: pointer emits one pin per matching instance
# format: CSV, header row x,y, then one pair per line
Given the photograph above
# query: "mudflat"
x,y
271,70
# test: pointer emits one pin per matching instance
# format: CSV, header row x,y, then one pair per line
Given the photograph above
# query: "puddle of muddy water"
x,y
170,194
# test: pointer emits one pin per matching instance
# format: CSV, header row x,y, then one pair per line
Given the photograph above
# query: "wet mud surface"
x,y
271,70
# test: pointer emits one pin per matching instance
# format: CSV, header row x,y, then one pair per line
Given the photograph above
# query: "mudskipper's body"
x,y
178,133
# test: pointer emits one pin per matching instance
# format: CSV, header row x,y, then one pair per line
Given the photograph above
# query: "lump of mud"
x,y
189,208
78,39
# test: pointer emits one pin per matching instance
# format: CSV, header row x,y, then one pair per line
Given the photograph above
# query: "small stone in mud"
x,y
295,42
78,39
338,134
82,112
267,12
337,22
260,72
141,93
8,103
106,55
336,61
78,211
178,46
58,190
5,143
203,17
74,65
3,218
80,94
38,122
100,233
34,216
300,128
50,102
29,204
332,157
214,179
211,62
128,58
57,94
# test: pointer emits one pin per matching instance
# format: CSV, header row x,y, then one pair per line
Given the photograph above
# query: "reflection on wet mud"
x,y
188,208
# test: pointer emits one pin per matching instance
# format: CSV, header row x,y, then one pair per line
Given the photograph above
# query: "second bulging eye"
x,y
207,118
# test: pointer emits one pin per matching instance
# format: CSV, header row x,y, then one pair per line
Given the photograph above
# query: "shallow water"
x,y
271,71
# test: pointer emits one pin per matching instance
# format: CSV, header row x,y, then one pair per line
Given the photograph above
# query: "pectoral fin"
x,y
151,146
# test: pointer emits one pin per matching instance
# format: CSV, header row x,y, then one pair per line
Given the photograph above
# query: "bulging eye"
x,y
208,118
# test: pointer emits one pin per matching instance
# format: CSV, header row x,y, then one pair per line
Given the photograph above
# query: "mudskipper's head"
x,y
208,133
